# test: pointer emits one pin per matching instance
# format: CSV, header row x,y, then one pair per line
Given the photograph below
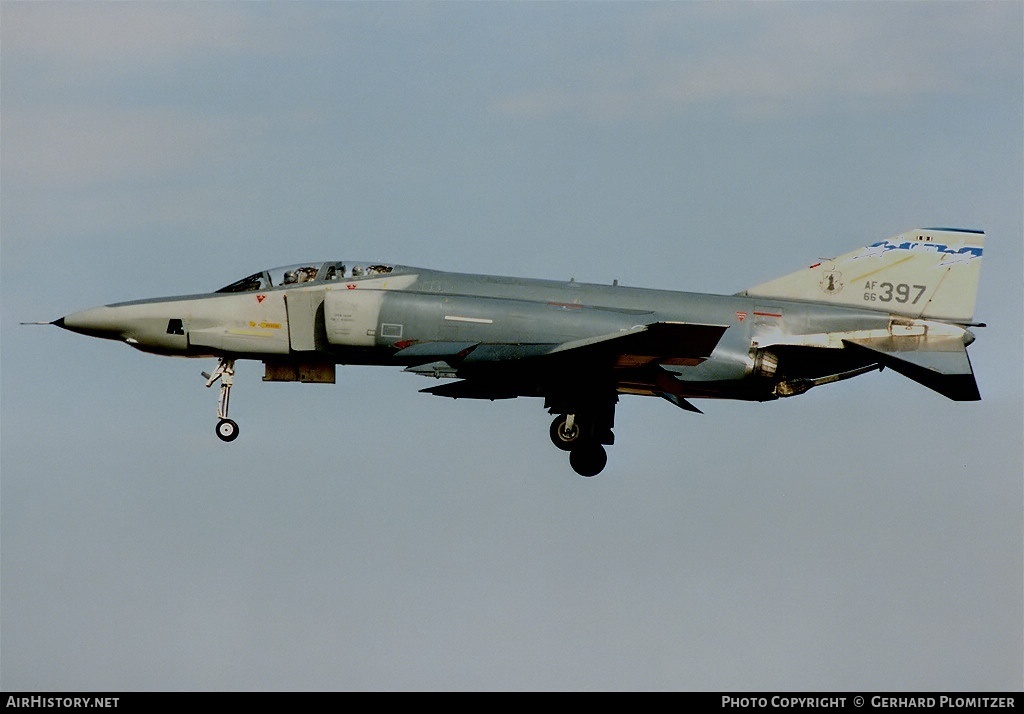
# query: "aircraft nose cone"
x,y
95,322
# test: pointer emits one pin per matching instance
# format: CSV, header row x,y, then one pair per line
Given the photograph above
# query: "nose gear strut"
x,y
227,430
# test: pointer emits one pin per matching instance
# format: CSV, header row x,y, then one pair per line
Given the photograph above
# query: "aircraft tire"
x,y
561,438
227,430
588,460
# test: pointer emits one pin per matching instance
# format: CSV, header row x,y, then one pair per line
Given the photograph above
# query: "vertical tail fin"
x,y
927,273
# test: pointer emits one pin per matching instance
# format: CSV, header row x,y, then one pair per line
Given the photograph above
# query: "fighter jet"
x,y
906,303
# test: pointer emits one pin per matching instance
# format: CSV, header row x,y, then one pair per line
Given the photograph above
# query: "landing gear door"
x,y
303,306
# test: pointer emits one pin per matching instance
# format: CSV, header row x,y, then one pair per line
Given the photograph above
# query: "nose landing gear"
x,y
227,430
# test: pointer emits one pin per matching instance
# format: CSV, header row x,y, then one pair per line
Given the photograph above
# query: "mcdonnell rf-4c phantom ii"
x,y
906,303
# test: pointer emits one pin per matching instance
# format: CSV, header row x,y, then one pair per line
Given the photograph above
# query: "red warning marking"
x,y
741,316
568,305
351,286
260,298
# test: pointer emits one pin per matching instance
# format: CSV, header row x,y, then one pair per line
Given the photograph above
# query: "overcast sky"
x,y
866,535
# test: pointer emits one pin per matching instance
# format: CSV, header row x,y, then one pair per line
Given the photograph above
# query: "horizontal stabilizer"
x,y
941,365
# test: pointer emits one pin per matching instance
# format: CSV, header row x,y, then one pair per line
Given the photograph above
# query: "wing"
x,y
501,371
672,343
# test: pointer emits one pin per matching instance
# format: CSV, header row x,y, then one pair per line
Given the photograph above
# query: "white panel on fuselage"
x,y
351,316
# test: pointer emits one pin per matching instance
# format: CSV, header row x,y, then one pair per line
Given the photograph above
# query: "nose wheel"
x,y
227,430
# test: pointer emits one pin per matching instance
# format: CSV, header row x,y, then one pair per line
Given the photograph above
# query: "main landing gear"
x,y
227,430
583,440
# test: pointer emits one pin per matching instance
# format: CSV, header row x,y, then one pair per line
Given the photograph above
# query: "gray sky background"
x,y
867,535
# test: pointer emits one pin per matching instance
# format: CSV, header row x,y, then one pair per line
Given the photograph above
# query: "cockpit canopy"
x,y
301,273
